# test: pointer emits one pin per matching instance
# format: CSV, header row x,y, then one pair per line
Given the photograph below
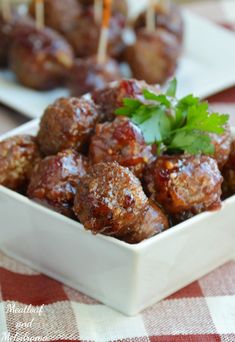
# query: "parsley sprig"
x,y
174,125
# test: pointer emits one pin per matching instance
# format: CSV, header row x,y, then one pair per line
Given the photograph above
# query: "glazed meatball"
x,y
67,123
167,17
60,15
118,6
110,200
86,3
120,141
184,185
84,37
228,172
5,40
222,144
54,180
154,222
8,30
111,98
87,75
40,59
18,155
154,55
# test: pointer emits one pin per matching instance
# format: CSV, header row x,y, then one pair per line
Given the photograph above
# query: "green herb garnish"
x,y
175,125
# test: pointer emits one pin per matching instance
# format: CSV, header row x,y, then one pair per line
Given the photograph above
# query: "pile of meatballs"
x,y
64,53
94,166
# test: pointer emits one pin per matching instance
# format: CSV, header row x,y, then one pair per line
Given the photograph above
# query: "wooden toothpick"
x,y
39,10
150,16
103,42
98,10
165,4
6,10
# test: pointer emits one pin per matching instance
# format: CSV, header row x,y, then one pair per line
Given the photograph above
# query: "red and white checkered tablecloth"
x,y
34,307
203,311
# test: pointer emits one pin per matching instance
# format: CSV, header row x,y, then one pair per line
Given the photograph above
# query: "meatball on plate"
x,y
87,75
40,58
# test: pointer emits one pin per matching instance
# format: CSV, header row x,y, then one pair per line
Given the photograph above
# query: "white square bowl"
x,y
126,277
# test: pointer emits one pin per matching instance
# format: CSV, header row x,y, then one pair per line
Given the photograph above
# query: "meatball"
x,y
120,141
40,59
60,15
110,200
5,40
228,172
154,55
222,145
184,185
168,18
54,180
67,123
154,222
87,75
18,155
111,98
7,32
118,6
84,37
86,3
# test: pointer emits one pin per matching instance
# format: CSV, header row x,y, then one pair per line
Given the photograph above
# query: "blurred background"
x,y
178,1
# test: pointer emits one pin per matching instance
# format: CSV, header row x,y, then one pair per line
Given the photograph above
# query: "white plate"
x,y
206,67
29,102
126,277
